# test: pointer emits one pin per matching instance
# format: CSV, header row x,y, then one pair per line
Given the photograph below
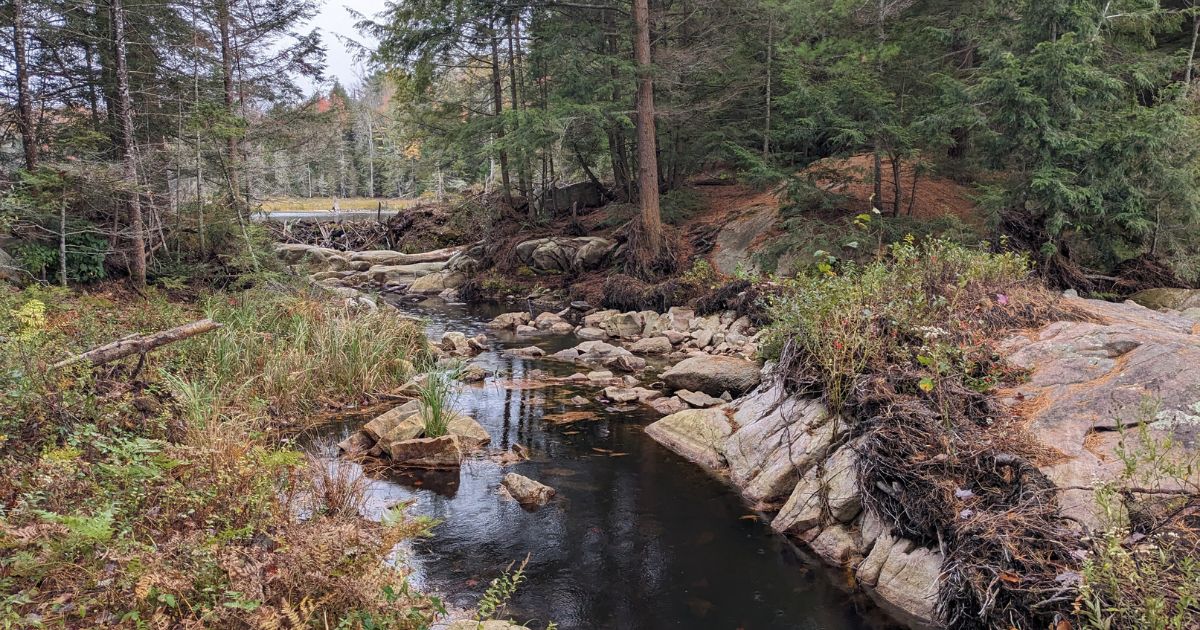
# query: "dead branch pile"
x,y
930,467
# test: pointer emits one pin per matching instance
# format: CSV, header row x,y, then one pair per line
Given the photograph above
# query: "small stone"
x,y
620,394
599,376
697,399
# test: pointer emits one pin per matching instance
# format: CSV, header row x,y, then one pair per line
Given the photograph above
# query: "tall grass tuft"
x,y
437,392
295,353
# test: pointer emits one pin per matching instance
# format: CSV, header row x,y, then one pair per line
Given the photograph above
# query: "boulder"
x,y
561,328
697,434
804,508
530,352
545,321
594,320
835,545
525,330
574,197
679,319
527,492
623,325
560,254
456,343
395,424
509,321
471,435
434,283
599,376
668,406
698,399
1168,299
624,363
356,445
675,337
401,274
651,345
440,452
713,375
591,333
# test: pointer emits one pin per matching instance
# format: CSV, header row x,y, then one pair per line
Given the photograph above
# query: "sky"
x,y
333,19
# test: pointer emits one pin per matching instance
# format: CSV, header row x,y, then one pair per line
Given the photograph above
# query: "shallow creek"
x,y
636,537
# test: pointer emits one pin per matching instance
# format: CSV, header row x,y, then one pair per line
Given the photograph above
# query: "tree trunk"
x,y
498,110
896,185
137,263
139,344
877,196
233,161
24,104
514,55
62,241
766,145
1187,81
647,158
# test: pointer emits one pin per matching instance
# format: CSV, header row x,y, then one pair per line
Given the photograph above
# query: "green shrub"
x,y
927,300
437,391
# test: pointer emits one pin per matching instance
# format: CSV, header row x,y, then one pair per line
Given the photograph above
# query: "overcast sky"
x,y
333,20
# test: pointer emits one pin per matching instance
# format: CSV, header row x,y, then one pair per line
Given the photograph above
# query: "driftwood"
x,y
139,344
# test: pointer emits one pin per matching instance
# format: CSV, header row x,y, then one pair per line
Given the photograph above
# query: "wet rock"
x,y
439,452
697,399
713,375
509,321
651,345
697,434
527,492
668,406
474,374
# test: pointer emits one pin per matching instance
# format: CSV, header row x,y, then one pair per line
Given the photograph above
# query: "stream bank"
x,y
636,537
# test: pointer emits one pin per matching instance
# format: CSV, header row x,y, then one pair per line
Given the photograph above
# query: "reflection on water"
x,y
635,538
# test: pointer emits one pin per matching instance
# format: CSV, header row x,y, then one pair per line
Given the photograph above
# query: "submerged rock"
x,y
527,492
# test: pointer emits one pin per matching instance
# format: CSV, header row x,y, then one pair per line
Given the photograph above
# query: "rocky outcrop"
x,y
1123,365
564,254
1117,364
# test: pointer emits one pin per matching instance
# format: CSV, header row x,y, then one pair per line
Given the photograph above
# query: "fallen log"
x,y
139,344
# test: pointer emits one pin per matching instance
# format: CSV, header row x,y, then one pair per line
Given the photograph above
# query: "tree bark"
x,y
62,241
498,111
877,196
139,344
137,263
646,142
24,103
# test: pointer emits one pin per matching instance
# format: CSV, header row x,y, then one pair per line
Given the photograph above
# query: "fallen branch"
x,y
139,344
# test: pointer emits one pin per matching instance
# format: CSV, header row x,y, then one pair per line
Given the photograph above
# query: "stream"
x,y
637,537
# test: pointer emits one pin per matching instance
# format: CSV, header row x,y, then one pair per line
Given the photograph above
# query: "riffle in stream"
x,y
637,537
